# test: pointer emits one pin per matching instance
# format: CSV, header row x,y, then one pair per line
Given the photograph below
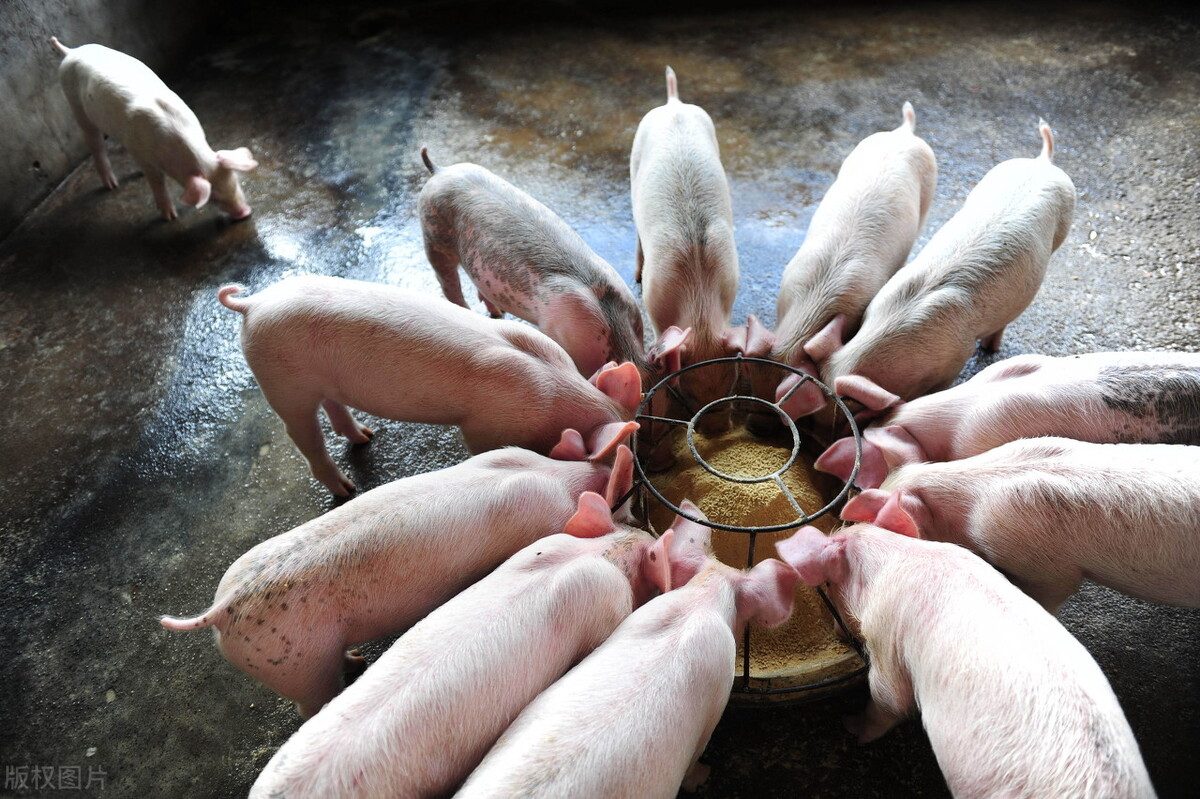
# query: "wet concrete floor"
x,y
141,458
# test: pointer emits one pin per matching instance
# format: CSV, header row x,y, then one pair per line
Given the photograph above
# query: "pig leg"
x,y
637,271
874,722
494,309
95,144
299,415
445,266
158,185
1050,594
991,343
344,423
325,681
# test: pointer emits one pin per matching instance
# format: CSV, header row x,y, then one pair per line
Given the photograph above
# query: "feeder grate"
x,y
764,688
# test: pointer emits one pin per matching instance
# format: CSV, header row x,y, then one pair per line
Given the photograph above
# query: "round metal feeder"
x,y
790,688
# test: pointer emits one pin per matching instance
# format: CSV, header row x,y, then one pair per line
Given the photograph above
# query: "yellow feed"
x,y
808,637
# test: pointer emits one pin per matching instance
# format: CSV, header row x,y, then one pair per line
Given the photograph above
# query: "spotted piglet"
x,y
1012,703
632,719
428,710
287,610
1050,512
111,92
1104,397
524,259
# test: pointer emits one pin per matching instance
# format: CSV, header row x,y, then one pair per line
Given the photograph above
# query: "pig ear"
x,y
689,545
623,384
196,191
570,447
596,375
753,340
666,354
896,517
764,594
838,460
816,557
605,439
657,564
866,506
239,160
593,518
799,400
620,479
865,391
895,445
827,340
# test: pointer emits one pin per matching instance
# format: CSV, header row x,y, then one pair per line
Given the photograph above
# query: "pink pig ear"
x,y
898,518
623,384
765,593
753,340
838,460
657,564
570,446
827,340
666,354
620,480
593,518
595,375
239,160
689,545
864,390
196,191
866,506
605,439
816,557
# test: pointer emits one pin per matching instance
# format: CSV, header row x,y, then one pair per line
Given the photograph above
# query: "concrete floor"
x,y
142,459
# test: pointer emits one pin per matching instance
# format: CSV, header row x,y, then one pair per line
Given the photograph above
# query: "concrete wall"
x,y
41,143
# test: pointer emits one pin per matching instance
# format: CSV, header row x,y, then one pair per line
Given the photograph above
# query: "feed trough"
x,y
755,489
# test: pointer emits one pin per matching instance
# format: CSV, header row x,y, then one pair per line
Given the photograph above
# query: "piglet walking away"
x,y
287,610
1104,397
1012,703
632,719
975,275
110,92
1050,512
687,259
860,234
316,342
425,714
524,259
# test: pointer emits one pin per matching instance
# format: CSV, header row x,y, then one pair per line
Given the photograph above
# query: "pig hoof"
x,y
355,665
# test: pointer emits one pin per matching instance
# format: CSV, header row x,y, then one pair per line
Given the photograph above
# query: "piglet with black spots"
x,y
287,610
425,714
114,93
631,720
1012,703
524,259
1104,397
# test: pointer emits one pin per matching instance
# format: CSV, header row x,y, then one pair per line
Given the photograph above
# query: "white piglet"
x,y
428,710
1104,397
976,274
111,92
860,234
524,259
1051,512
286,611
317,342
1012,703
687,259
632,719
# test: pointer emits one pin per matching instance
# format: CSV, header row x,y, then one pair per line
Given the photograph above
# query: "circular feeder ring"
x,y
667,384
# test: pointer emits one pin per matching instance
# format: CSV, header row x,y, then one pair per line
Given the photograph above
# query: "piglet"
x,y
1012,703
429,709
315,341
686,257
860,234
1105,397
110,92
1050,512
632,719
524,259
286,611
975,275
